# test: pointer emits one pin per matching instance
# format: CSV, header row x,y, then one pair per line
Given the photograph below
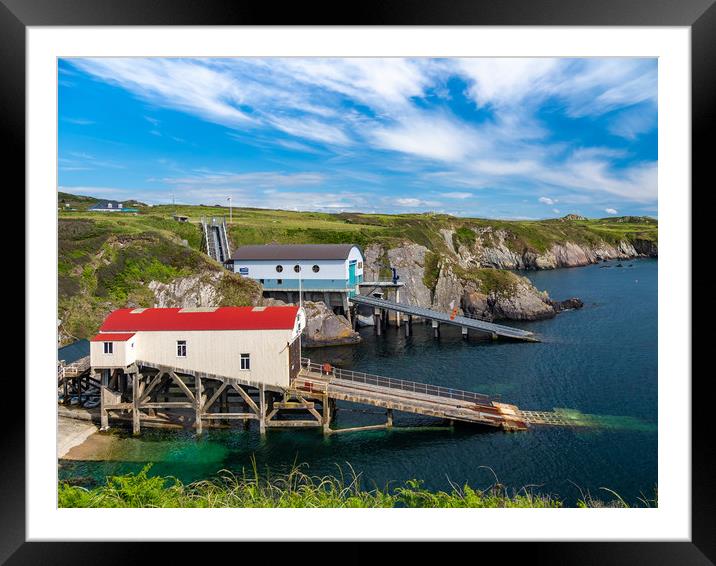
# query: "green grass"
x,y
106,259
107,262
261,226
496,281
431,270
298,489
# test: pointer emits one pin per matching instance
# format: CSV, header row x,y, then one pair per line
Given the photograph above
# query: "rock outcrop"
x,y
488,294
567,304
208,289
187,292
494,248
323,326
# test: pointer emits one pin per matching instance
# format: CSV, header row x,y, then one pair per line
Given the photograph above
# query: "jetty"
x,y
406,396
382,307
215,366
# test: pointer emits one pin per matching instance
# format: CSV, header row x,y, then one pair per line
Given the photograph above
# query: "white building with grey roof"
x,y
319,272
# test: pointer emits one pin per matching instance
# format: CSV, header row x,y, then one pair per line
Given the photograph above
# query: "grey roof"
x,y
294,252
73,352
103,204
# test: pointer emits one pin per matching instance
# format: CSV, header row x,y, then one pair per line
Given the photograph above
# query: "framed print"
x,y
286,266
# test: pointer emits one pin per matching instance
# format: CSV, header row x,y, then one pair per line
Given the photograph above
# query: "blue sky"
x,y
498,138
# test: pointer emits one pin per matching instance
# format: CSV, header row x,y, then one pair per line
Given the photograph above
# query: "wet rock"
x,y
567,304
323,326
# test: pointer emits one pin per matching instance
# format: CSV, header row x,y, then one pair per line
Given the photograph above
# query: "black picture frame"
x,y
699,15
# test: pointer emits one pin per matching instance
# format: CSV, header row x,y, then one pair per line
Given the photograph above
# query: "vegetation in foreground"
x,y
297,489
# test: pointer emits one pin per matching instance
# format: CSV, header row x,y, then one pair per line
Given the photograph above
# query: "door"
x,y
352,274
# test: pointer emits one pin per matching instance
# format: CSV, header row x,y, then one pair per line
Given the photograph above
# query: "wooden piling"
x,y
135,403
198,405
326,414
262,409
104,414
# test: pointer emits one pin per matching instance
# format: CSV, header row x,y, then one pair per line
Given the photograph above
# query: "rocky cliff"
x,y
490,247
438,281
323,326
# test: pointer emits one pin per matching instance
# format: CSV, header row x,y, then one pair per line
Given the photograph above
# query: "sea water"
x,y
600,361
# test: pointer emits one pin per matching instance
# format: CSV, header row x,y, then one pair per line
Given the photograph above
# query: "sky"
x,y
484,137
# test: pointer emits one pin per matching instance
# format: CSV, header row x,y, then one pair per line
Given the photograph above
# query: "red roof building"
x,y
254,344
210,318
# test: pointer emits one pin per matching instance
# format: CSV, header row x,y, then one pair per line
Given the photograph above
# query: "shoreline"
x,y
73,433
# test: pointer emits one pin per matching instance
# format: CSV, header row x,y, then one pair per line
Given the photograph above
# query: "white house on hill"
x,y
319,272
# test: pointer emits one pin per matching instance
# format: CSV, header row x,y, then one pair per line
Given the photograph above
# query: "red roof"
x,y
112,337
221,318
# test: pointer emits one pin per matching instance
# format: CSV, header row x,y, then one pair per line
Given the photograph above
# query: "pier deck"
x,y
495,330
408,396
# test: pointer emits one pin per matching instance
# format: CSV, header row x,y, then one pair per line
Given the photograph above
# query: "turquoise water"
x,y
600,360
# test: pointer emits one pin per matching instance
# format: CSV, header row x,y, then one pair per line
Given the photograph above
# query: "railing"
x,y
72,370
399,384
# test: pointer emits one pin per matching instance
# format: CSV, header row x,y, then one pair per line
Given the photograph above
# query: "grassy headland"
x,y
297,489
106,259
261,226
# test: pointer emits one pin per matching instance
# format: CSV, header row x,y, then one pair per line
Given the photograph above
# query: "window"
x,y
245,361
261,281
297,268
279,268
181,348
108,347
316,269
279,281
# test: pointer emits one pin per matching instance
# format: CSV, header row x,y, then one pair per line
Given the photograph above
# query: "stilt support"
x,y
262,409
198,404
135,403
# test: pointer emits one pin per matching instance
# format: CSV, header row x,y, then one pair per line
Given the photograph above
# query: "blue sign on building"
x,y
243,270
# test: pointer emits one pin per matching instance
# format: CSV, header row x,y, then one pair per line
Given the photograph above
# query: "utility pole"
x,y
229,199
300,286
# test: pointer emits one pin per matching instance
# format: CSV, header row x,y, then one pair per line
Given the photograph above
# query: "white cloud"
x,y
78,121
355,106
432,137
505,80
409,202
311,129
457,195
611,211
259,179
178,83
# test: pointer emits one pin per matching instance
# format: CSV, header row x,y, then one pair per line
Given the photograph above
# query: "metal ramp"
x,y
444,318
216,240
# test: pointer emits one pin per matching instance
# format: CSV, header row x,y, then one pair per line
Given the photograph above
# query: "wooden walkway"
x,y
408,396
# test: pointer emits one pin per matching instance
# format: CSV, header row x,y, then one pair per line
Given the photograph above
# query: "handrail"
x,y
401,384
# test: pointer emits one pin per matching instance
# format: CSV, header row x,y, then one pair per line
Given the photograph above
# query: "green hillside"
x,y
105,262
106,259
